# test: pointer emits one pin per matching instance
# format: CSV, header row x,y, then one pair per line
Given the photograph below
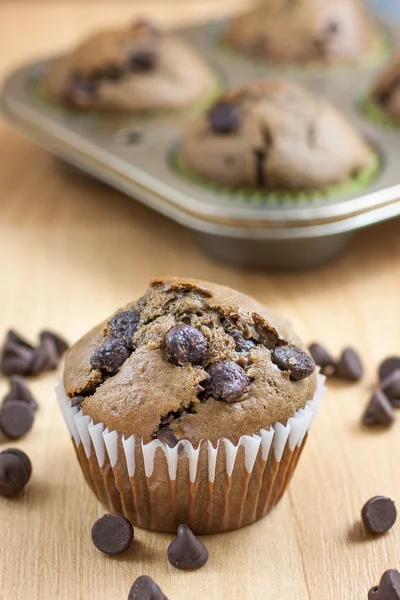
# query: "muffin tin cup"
x,y
210,488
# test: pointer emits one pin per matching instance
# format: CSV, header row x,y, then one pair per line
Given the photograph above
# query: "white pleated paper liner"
x,y
211,488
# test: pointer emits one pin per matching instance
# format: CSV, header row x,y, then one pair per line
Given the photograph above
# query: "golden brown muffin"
x,y
274,136
190,360
134,69
386,91
302,31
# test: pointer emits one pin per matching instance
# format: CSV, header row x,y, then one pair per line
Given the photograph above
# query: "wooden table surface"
x,y
71,251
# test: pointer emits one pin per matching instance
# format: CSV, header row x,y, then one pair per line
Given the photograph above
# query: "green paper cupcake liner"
x,y
354,185
373,112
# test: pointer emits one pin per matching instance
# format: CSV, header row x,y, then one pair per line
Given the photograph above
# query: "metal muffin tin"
x,y
133,154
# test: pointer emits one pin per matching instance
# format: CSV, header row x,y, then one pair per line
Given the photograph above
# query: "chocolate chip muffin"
x,y
386,91
271,135
134,69
303,31
179,401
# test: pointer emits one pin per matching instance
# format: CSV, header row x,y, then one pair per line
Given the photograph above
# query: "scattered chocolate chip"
x,y
112,534
110,356
145,588
123,326
77,401
15,472
184,344
60,343
224,117
322,358
20,391
241,344
379,514
45,356
228,381
187,552
294,360
390,386
387,367
143,61
379,410
350,366
16,419
16,356
388,588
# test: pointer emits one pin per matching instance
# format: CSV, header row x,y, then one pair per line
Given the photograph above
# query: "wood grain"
x,y
71,251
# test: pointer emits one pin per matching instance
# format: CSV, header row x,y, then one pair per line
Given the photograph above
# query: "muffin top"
x,y
386,91
190,360
301,31
136,69
274,135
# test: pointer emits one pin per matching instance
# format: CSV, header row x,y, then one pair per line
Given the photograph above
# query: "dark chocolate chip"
x,y
241,344
20,391
387,367
224,117
292,359
228,381
60,343
391,388
123,326
110,356
166,435
45,356
15,337
16,358
350,366
145,588
184,344
379,411
77,401
15,472
16,419
112,534
379,514
187,552
143,61
322,358
388,588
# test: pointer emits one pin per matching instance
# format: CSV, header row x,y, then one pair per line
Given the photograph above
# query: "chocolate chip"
x,y
228,381
15,472
16,419
390,386
187,552
45,356
379,514
292,359
60,343
379,411
123,326
112,534
184,344
166,435
350,366
322,358
110,356
241,344
145,588
143,61
224,117
388,588
387,367
16,356
20,391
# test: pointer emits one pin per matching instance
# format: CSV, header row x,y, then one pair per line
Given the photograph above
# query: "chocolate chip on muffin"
x,y
327,32
294,360
228,381
123,326
110,356
278,136
185,344
138,68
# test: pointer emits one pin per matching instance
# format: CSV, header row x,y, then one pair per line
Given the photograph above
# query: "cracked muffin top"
x,y
274,136
189,360
386,91
134,69
302,31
